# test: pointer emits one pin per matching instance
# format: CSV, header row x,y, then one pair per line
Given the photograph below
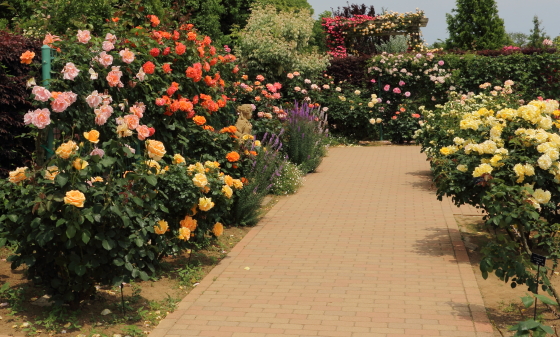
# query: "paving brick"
x,y
363,249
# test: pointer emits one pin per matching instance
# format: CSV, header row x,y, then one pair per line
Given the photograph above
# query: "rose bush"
x,y
490,151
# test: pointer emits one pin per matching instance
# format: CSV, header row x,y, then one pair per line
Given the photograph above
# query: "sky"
x,y
517,14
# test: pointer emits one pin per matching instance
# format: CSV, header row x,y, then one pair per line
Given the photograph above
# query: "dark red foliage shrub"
x,y
351,68
14,150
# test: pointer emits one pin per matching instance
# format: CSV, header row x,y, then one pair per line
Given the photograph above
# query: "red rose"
x,y
149,67
154,52
152,131
166,51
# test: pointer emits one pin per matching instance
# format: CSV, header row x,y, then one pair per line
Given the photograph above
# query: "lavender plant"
x,y
305,136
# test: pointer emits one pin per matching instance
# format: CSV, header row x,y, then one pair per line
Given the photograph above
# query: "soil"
x,y
24,310
503,304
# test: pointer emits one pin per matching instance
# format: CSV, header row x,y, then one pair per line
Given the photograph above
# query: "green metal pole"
x,y
46,72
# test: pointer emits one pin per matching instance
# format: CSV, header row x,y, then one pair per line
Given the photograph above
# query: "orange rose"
x,y
161,227
232,157
80,164
51,172
92,136
188,222
184,234
178,159
67,149
228,180
18,175
75,198
199,120
27,57
218,229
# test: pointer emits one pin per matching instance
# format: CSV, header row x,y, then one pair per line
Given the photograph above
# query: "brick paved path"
x,y
363,249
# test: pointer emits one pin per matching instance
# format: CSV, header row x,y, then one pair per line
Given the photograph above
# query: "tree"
x,y
518,39
538,34
475,26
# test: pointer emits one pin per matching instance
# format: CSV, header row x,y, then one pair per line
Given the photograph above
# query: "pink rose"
x,y
297,88
143,132
131,121
111,38
94,100
61,103
41,94
401,83
394,117
141,75
260,78
105,59
277,85
407,94
102,114
441,63
396,90
114,77
160,101
260,114
97,152
387,87
70,96
70,71
127,56
41,118
107,46
130,148
83,36
276,95
28,117
290,76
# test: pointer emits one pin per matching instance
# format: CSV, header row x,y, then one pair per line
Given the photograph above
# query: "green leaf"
x,y
60,222
546,300
152,180
12,217
86,237
80,270
70,231
546,329
144,276
118,262
138,201
528,325
61,179
105,243
527,301
139,242
115,209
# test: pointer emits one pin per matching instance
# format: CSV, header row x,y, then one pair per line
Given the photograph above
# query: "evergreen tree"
x,y
475,26
538,34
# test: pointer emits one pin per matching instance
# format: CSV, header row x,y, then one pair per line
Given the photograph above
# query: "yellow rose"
x,y
161,227
178,159
156,150
75,198
96,180
227,191
205,204
481,170
542,196
247,137
80,164
184,234
92,136
495,161
123,131
154,164
257,143
200,180
188,222
462,168
18,175
67,149
51,172
237,184
218,229
211,164
228,180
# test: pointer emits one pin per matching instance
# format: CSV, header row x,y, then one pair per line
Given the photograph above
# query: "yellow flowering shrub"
x,y
507,163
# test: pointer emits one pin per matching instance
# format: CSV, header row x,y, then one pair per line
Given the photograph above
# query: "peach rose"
x,y
75,198
83,36
114,77
70,71
92,136
127,56
18,175
105,59
51,172
27,57
60,104
131,121
102,114
143,132
111,38
141,76
41,94
65,150
205,204
156,150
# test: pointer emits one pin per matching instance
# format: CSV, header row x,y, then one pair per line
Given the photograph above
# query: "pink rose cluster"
x,y
63,100
40,118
